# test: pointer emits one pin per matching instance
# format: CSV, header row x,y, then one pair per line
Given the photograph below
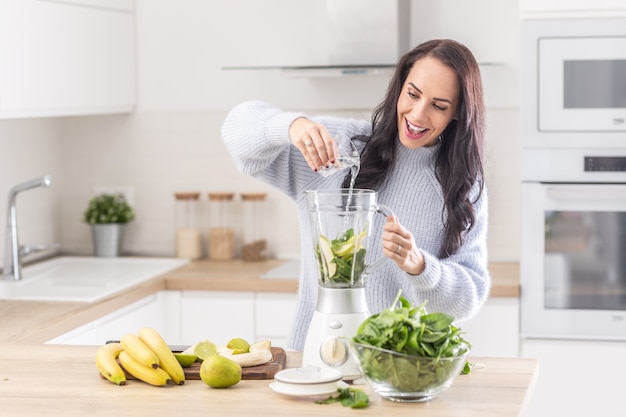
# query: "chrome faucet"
x,y
12,250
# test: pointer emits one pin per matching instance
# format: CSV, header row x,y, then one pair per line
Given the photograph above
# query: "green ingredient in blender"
x,y
341,259
325,257
411,331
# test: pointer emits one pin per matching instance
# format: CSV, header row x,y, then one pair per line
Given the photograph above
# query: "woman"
x,y
422,153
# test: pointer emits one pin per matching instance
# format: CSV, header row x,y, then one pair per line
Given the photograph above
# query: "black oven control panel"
x,y
605,163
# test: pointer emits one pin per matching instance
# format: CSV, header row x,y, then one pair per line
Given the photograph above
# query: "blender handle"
x,y
387,212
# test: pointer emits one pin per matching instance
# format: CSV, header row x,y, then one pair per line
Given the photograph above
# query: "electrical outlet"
x,y
125,190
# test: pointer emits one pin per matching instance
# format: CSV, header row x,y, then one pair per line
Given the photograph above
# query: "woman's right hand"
x,y
314,142
399,246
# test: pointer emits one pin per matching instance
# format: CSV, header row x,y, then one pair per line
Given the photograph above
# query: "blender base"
x,y
339,314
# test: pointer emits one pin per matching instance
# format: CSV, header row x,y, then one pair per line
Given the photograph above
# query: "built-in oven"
x,y
573,169
574,261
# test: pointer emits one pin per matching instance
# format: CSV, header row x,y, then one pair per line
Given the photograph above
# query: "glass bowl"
x,y
400,377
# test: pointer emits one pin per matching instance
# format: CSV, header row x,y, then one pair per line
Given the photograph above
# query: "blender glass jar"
x,y
341,222
254,244
188,239
221,232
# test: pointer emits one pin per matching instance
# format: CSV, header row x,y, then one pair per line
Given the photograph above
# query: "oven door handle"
x,y
598,192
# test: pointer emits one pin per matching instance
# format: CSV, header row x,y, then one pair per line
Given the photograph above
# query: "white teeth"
x,y
415,129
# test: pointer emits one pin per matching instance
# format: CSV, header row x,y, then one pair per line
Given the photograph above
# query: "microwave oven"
x,y
573,82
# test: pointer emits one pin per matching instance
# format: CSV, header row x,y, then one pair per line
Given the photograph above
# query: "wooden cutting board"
x,y
265,371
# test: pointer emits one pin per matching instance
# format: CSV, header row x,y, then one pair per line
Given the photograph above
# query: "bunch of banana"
x,y
145,356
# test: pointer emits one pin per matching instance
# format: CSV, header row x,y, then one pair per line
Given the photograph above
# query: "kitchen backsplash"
x,y
157,154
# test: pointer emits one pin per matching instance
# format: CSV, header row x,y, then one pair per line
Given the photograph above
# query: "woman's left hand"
x,y
399,246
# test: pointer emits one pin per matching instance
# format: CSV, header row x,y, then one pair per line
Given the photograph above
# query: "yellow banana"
x,y
167,360
260,345
153,376
106,362
139,351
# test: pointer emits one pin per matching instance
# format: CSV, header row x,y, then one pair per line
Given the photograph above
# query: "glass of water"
x,y
348,157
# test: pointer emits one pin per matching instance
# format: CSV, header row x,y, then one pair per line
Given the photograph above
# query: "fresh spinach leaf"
x,y
467,368
348,397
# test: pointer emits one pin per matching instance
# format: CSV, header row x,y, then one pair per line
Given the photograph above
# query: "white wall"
x,y
172,143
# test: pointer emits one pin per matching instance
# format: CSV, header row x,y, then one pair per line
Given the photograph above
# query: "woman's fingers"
x,y
394,238
314,142
399,245
320,147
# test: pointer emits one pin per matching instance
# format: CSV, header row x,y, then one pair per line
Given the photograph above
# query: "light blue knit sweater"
x,y
256,134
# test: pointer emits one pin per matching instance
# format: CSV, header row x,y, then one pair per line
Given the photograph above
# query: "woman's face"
x,y
428,102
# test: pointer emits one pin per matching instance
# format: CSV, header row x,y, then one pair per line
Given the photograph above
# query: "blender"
x,y
341,222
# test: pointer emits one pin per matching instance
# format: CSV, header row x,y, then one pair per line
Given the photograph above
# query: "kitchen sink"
x,y
84,279
288,270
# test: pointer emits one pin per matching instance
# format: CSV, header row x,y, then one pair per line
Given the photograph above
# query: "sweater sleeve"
x,y
257,136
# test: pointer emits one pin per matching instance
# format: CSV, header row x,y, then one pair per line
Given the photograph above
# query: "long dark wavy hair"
x,y
459,162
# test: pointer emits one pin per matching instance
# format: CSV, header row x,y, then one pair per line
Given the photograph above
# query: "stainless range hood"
x,y
332,37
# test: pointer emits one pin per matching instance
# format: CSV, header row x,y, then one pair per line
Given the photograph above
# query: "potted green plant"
x,y
107,214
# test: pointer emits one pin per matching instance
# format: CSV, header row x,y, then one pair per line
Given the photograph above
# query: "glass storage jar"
x,y
188,238
254,243
221,238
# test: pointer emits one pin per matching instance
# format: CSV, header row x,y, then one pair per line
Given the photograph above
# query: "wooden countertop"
x,y
38,321
244,276
40,380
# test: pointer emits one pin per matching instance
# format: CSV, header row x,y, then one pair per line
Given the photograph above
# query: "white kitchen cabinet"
x,y
60,58
494,331
577,378
149,311
274,315
186,317
221,316
579,7
83,335
216,315
145,312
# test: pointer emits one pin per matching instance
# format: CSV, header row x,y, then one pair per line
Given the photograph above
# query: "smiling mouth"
x,y
415,130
